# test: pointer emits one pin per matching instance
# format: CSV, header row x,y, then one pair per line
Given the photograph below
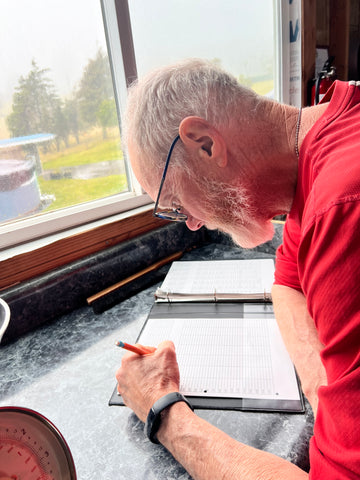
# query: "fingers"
x,y
161,346
149,349
166,344
166,355
142,379
146,350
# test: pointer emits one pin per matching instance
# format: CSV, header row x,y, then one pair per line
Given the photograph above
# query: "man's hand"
x,y
206,452
143,379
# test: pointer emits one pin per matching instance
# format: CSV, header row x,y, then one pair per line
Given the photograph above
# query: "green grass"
x,y
70,192
92,148
84,153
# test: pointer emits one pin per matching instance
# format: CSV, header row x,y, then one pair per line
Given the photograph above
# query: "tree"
x,y
95,87
35,102
61,126
71,112
107,115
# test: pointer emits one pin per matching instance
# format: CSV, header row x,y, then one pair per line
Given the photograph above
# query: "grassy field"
x,y
92,149
69,192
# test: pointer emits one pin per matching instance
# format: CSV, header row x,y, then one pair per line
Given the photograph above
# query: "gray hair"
x,y
163,98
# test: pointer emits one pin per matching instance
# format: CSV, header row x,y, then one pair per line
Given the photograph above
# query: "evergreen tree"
x,y
71,112
95,87
35,103
61,126
107,115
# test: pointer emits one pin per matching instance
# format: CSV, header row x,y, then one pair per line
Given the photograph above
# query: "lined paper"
x,y
227,357
219,277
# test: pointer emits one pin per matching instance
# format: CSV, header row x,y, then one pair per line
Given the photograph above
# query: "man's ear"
x,y
203,140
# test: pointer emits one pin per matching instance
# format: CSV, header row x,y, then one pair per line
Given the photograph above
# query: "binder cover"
x,y
220,313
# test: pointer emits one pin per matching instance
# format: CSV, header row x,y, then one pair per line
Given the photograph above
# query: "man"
x,y
240,160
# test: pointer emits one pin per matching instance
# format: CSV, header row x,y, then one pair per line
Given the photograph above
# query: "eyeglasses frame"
x,y
171,215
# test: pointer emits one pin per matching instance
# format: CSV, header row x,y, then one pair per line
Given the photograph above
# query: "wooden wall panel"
x,y
29,265
339,36
322,23
308,48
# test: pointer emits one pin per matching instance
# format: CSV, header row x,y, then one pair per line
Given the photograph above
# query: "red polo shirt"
x,y
320,256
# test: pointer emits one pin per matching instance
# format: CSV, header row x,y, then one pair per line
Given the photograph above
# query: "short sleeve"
x,y
286,269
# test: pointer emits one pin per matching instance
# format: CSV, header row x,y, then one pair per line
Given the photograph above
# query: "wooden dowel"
x,y
130,279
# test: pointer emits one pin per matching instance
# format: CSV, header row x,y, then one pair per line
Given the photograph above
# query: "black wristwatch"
x,y
153,420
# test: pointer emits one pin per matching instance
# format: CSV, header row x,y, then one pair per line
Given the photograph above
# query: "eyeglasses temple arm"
x,y
165,170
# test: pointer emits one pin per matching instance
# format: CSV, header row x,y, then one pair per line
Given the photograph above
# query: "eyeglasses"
x,y
172,214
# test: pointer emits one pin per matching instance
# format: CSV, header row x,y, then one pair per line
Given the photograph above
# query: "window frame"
x,y
33,257
24,262
121,54
83,215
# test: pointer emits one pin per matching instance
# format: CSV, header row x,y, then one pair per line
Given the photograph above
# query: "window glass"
x,y
237,34
59,131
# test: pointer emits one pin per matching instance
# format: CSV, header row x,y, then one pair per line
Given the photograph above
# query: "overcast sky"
x,y
63,34
58,34
239,32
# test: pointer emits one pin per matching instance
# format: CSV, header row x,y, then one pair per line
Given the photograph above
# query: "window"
x,y
61,162
236,34
67,66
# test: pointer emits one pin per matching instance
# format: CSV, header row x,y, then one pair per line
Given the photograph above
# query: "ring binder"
x,y
218,281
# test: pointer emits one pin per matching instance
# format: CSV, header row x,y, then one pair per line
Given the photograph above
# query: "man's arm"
x,y
205,451
301,339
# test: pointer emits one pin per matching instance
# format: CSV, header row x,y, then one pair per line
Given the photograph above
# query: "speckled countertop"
x,y
65,370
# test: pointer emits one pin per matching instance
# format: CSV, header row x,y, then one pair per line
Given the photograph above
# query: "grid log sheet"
x,y
220,276
227,357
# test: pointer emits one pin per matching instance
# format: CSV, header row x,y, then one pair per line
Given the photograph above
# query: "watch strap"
x,y
153,420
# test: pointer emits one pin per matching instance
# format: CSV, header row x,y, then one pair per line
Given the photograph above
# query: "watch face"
x,y
152,425
31,447
153,420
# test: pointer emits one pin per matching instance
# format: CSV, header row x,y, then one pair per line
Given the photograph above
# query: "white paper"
x,y
220,277
227,357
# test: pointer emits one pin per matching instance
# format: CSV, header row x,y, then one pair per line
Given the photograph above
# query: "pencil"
x,y
141,350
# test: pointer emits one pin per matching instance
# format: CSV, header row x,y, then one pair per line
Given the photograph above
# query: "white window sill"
x,y
38,243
